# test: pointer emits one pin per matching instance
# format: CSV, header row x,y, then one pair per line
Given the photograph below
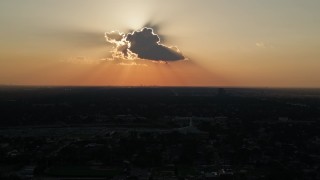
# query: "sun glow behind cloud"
x,y
242,43
141,44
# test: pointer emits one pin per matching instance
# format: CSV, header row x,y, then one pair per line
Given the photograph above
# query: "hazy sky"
x,y
264,43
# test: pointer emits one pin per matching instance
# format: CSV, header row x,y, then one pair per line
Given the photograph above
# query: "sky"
x,y
243,43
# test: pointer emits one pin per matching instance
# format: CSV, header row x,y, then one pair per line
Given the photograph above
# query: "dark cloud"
x,y
156,26
144,44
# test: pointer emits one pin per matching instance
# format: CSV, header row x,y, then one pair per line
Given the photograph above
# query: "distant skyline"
x,y
245,43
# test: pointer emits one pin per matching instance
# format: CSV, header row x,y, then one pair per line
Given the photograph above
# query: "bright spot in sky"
x,y
143,44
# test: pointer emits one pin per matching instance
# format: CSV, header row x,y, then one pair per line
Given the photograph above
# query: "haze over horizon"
x,y
250,43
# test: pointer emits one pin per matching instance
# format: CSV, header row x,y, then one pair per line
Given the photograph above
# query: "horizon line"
x,y
153,86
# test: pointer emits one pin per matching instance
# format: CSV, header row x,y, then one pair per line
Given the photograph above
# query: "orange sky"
x,y
126,73
251,43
